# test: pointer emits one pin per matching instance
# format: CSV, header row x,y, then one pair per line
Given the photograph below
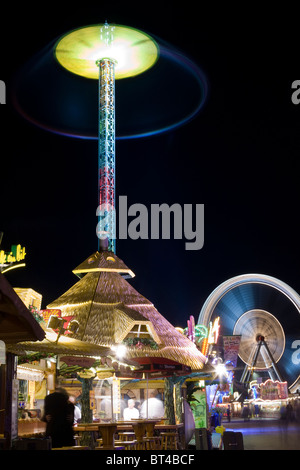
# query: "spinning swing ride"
x,y
106,53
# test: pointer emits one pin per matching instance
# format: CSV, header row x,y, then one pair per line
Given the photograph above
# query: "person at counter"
x,y
152,408
131,412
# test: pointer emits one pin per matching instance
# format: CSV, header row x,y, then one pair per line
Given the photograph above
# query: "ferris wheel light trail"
x,y
106,53
254,306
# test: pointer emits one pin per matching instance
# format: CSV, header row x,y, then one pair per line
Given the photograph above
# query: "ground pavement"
x,y
266,433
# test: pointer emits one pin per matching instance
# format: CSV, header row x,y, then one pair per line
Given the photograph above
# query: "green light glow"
x,y
133,50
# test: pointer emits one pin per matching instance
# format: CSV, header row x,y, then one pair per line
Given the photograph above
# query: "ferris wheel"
x,y
265,313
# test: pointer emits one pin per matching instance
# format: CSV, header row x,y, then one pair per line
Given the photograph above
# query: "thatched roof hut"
x,y
54,344
17,323
109,311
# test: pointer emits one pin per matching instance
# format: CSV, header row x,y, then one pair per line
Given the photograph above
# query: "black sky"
x,y
239,157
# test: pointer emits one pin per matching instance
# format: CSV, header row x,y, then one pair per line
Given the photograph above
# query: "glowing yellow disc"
x,y
133,50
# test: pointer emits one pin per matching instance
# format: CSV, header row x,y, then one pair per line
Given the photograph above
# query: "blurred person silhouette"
x,y
152,408
289,412
77,410
59,418
228,413
283,423
246,413
131,412
138,405
297,411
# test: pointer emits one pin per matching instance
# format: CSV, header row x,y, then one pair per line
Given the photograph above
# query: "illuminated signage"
x,y
116,387
16,254
274,390
46,314
11,259
214,331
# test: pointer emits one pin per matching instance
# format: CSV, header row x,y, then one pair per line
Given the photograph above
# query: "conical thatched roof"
x,y
107,307
103,261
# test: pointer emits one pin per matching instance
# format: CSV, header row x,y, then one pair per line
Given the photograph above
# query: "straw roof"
x,y
65,345
103,261
17,323
107,307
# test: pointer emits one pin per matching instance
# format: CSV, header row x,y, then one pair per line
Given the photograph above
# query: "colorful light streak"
x,y
168,55
205,346
21,265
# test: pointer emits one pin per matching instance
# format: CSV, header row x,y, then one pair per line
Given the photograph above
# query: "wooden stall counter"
x,y
30,427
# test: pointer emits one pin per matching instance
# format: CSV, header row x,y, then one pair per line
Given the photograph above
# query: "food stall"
x,y
35,381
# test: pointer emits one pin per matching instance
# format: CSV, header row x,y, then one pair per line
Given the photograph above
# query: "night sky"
x,y
238,157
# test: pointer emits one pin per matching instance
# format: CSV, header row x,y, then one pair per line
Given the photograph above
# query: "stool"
x,y
141,444
150,443
126,436
157,440
169,440
115,448
118,445
71,448
128,445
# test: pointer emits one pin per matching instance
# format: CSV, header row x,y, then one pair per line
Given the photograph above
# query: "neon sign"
x,y
195,333
11,259
213,334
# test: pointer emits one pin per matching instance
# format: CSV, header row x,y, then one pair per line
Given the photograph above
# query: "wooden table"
x,y
87,433
139,427
153,429
150,426
143,428
107,431
173,428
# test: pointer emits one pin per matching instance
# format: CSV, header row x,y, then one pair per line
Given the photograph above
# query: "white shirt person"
x,y
131,412
152,408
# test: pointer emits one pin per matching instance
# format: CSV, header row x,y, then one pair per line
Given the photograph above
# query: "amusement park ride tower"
x,y
106,53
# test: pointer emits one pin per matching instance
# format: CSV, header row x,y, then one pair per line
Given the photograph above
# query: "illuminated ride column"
x,y
106,142
118,52
106,152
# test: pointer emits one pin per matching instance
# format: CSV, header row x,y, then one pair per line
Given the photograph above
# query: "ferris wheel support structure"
x,y
261,348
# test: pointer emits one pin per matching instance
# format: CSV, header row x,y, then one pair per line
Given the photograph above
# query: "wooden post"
x,y
169,400
2,396
86,412
11,372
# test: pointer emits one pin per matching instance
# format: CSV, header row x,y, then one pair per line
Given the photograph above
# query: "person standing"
x,y
59,418
77,410
152,408
228,414
289,412
131,412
